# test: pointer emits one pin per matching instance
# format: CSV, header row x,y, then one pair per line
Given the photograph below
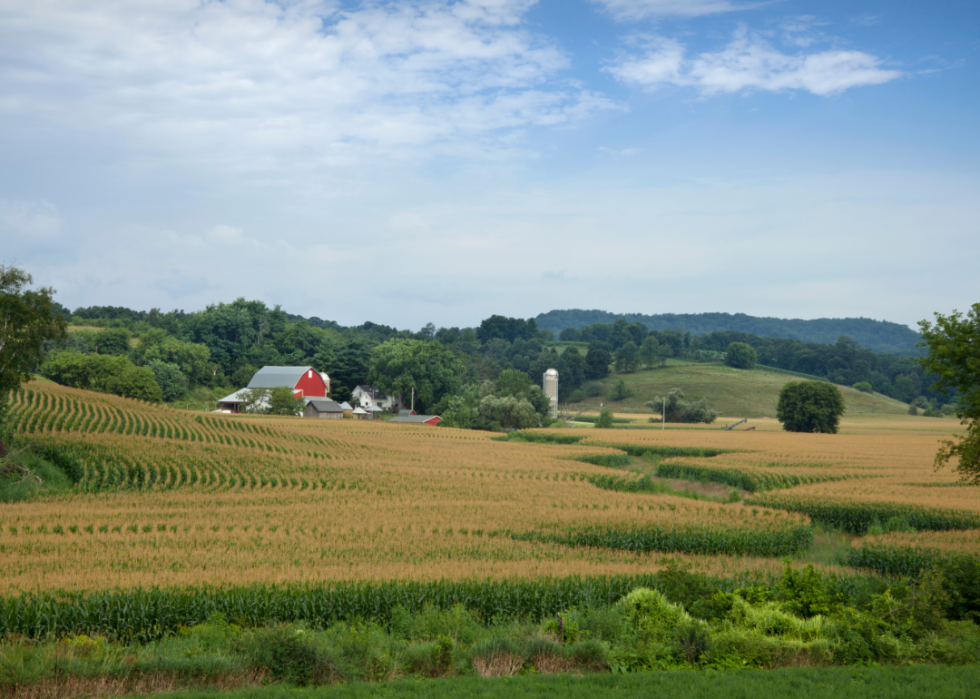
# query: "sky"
x,y
408,162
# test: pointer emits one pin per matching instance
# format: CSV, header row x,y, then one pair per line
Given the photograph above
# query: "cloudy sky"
x,y
415,160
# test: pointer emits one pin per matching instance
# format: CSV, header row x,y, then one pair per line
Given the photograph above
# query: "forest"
x,y
877,335
492,370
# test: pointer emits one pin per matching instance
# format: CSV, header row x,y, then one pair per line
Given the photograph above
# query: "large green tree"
x,y
400,365
740,356
954,356
27,320
810,406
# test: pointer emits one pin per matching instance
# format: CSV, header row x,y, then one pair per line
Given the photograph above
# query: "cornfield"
x,y
168,498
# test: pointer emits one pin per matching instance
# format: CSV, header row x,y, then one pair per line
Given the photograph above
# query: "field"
x,y
173,498
739,392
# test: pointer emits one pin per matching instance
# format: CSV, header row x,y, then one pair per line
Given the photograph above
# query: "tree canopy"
x,y
954,357
399,365
675,409
810,406
27,320
740,356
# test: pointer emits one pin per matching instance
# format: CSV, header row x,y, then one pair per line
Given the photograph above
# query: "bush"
x,y
287,652
912,409
810,406
605,418
621,391
864,387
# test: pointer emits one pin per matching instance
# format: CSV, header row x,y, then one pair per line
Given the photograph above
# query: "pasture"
x,y
739,392
169,498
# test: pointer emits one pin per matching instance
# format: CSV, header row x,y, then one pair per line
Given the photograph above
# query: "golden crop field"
x,y
168,497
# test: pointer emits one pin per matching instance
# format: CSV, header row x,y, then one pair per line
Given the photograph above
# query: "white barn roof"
x,y
273,376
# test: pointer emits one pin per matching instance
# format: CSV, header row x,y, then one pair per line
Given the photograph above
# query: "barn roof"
x,y
273,376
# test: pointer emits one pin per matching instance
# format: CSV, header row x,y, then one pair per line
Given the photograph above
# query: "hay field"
x,y
167,497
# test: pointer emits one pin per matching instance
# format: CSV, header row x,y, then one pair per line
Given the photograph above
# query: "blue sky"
x,y
408,162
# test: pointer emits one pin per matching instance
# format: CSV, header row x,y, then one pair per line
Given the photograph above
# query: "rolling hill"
x,y
732,392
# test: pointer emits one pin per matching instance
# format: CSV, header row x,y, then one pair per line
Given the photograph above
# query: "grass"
x,y
745,393
914,682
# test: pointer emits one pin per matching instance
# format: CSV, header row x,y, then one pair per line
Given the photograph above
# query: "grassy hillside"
x,y
732,392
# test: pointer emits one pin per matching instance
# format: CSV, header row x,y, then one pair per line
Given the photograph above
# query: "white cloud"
x,y
253,84
34,219
31,229
749,62
627,10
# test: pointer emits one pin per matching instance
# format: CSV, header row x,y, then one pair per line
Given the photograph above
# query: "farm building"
x,y
410,418
324,409
305,381
366,396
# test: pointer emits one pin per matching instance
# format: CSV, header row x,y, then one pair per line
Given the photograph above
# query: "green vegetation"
x,y
879,336
707,540
731,392
953,357
916,682
27,321
856,517
671,620
676,409
740,356
810,406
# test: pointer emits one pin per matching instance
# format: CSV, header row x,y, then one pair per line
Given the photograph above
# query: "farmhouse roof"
x,y
324,405
273,376
234,397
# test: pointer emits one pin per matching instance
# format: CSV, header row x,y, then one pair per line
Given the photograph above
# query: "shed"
x,y
347,408
413,419
361,414
323,408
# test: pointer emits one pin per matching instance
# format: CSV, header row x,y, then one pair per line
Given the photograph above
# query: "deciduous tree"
x,y
954,356
27,320
810,406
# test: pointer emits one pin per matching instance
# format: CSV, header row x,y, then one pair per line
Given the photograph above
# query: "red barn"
x,y
304,380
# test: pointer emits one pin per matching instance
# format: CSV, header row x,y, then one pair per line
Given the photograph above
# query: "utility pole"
x,y
413,399
663,416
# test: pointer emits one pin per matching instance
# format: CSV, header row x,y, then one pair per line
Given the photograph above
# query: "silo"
x,y
550,388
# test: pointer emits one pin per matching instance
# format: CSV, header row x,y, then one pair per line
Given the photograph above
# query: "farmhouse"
x,y
323,408
305,381
367,396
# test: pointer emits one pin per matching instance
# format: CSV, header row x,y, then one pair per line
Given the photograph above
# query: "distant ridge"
x,y
877,335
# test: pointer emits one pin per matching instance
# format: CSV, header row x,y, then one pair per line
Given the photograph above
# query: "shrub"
x,y
605,418
864,387
287,652
621,391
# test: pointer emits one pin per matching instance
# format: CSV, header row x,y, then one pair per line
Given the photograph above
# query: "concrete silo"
x,y
550,388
